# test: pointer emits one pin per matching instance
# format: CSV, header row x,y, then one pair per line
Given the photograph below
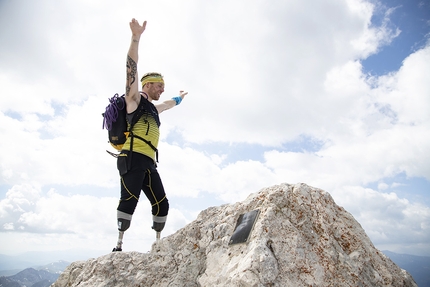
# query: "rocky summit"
x,y
300,237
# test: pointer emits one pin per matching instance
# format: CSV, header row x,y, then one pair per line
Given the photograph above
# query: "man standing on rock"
x,y
137,160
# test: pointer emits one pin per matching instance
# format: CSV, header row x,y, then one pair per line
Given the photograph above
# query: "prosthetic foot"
x,y
118,246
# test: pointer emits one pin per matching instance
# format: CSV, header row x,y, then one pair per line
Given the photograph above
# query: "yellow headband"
x,y
152,79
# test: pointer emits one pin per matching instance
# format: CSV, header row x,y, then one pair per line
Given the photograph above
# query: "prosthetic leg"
x,y
158,225
124,220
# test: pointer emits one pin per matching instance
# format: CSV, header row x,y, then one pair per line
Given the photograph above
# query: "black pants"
x,y
143,175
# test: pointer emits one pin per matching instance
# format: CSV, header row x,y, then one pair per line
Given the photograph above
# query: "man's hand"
x,y
132,83
182,94
171,103
135,27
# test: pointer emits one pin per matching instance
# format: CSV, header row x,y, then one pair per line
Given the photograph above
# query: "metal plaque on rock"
x,y
245,224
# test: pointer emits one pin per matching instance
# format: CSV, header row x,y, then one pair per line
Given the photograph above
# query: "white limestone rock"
x,y
301,238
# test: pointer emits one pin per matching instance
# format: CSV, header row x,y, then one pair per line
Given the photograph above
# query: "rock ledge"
x,y
301,238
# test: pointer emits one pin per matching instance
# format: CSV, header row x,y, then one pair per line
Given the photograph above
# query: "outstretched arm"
x,y
170,103
132,81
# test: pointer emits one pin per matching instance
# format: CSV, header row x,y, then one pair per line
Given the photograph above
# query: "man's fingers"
x,y
134,24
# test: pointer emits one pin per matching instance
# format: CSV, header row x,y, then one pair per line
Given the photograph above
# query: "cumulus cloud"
x,y
27,208
391,222
73,221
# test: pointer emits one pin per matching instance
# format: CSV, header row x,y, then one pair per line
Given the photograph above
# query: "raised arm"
x,y
132,81
171,103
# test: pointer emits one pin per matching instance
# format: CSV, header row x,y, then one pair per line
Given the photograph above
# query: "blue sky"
x,y
411,17
334,94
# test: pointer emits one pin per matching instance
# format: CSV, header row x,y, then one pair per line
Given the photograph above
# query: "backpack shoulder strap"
x,y
139,111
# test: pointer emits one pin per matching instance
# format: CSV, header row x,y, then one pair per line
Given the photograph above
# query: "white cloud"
x,y
382,186
406,92
74,221
8,226
391,222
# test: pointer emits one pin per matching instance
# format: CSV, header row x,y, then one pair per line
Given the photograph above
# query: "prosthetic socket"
x,y
158,222
124,221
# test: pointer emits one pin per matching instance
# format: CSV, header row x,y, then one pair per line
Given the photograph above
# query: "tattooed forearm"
x,y
131,73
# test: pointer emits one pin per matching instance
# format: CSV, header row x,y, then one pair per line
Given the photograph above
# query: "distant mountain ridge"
x,y
44,276
31,276
417,266
55,267
41,258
